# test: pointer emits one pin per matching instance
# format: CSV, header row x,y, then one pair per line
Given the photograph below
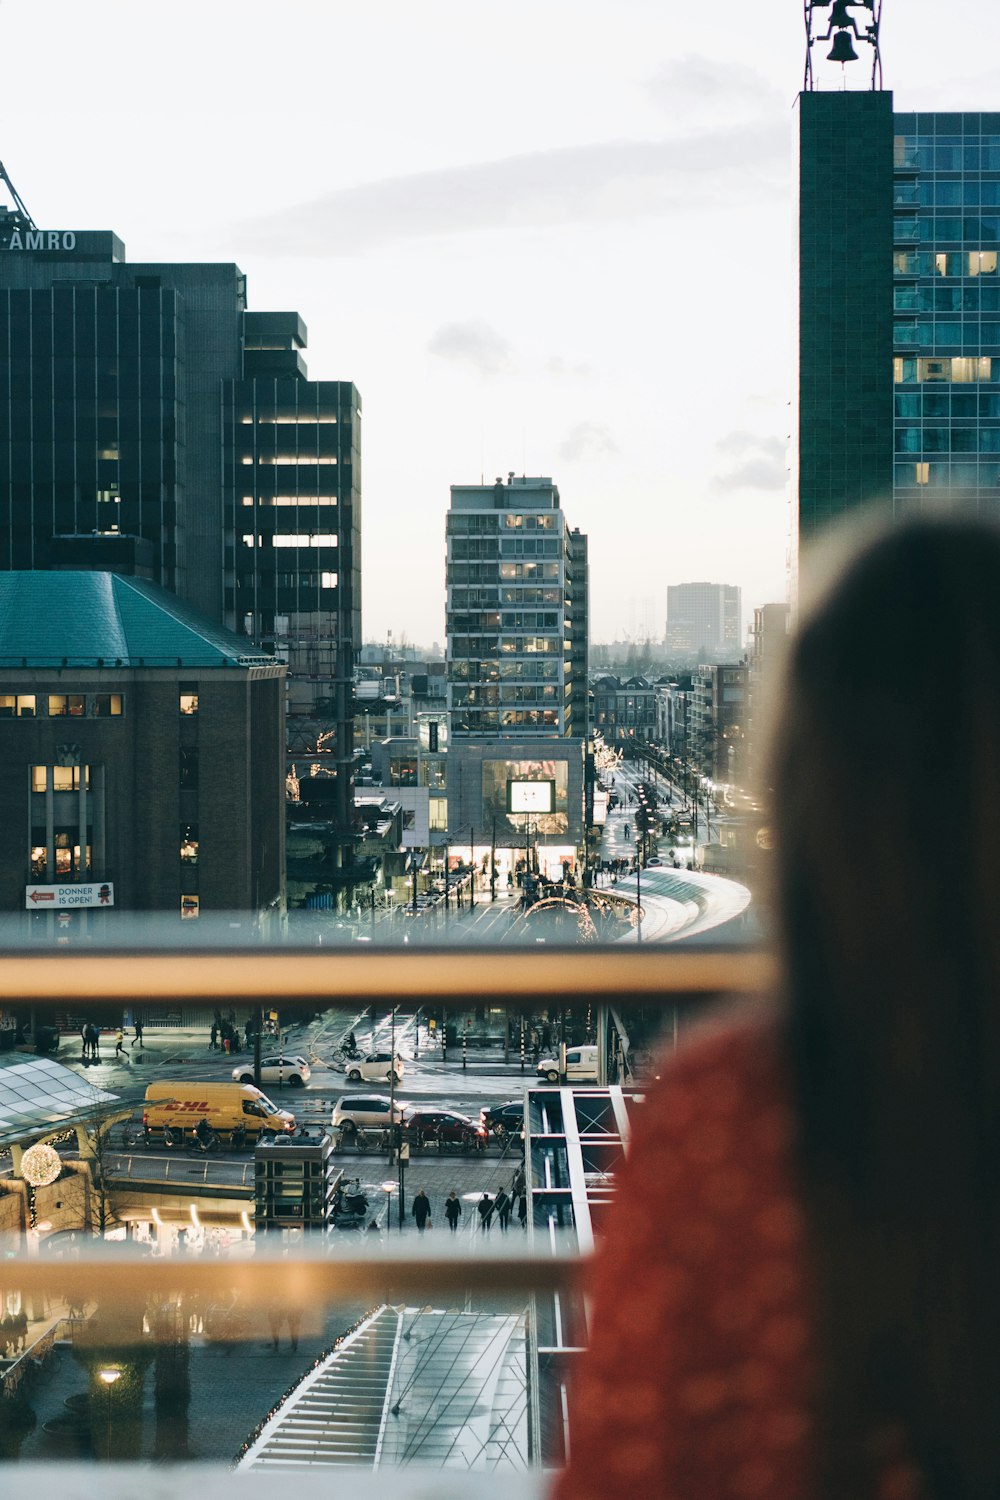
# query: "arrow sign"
x,y
41,896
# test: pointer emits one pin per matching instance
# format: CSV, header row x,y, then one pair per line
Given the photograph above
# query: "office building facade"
x,y
899,329
150,423
517,612
704,620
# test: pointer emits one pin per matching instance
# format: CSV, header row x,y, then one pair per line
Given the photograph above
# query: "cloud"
x,y
587,441
696,87
761,463
611,181
472,343
566,369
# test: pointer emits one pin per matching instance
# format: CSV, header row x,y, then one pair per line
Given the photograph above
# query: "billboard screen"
x,y
531,797
508,785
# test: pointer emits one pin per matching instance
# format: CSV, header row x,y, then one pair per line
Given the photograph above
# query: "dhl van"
x,y
226,1107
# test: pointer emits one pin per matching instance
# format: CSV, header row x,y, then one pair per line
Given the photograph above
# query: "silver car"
x,y
365,1112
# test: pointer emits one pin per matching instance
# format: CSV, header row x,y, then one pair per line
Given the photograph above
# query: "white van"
x,y
581,1066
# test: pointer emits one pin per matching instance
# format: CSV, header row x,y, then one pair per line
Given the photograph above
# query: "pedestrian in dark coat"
x,y
452,1210
522,1210
421,1211
485,1210
214,1034
138,1035
503,1207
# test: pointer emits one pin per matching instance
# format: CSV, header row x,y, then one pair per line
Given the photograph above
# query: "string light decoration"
x,y
40,1165
326,1353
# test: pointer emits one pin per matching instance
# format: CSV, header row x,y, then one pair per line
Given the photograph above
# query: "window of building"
x,y
190,907
328,580
982,263
64,778
188,701
20,706
68,863
106,705
304,539
189,768
189,843
923,475
73,704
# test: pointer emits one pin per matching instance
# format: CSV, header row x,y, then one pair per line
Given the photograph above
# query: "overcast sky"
x,y
552,236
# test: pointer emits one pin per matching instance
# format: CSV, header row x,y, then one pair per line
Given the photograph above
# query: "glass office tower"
x,y
946,294
899,308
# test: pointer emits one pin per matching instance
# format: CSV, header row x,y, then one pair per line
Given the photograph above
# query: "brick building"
x,y
142,754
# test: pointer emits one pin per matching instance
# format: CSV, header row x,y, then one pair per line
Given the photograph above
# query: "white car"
x,y
374,1068
369,1111
291,1070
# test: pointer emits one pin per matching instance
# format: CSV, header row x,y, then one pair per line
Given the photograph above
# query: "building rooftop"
x,y
85,619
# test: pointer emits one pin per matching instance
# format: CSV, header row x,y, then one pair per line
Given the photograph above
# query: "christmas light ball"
x,y
40,1165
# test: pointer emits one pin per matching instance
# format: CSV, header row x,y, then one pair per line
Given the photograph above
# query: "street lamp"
x,y
109,1375
388,1189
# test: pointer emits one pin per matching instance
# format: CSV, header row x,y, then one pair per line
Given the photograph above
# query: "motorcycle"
x,y
350,1205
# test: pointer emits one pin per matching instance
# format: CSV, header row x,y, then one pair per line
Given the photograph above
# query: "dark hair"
x,y
886,773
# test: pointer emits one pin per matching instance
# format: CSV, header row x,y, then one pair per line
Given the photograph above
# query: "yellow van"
x,y
226,1107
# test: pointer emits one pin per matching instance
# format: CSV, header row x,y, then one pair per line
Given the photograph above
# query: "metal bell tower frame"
x,y
832,21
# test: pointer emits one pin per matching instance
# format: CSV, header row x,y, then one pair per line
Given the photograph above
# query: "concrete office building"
x,y
142,752
517,631
704,620
151,424
517,619
899,329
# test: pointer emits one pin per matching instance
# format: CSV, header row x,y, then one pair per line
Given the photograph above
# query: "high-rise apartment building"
x,y
704,620
151,424
517,607
899,297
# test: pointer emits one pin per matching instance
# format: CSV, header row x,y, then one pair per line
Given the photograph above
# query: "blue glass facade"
x,y
946,308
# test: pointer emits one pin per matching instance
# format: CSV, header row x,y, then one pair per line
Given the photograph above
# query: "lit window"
x,y
328,580
189,843
188,702
982,263
291,501
61,704
106,705
38,862
291,458
923,473
304,539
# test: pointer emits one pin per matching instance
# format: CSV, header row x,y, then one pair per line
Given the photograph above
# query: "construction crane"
x,y
26,221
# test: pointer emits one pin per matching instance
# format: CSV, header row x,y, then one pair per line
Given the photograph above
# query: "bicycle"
x,y
134,1135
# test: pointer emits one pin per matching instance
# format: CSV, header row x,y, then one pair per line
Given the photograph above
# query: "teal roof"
x,y
79,619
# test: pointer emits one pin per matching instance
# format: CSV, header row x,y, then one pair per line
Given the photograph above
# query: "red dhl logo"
x,y
186,1106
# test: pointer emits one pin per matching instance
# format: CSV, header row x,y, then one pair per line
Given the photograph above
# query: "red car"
x,y
432,1126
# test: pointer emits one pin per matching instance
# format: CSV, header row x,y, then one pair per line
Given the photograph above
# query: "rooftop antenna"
x,y
842,31
27,222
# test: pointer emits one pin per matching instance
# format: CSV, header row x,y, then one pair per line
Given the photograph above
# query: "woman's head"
x,y
886,785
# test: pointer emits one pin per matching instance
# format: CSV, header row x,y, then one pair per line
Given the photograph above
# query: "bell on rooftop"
x,y
842,50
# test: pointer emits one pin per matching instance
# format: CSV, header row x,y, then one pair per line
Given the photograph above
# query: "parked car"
x,y
424,1125
291,1070
581,1066
503,1119
367,1111
374,1067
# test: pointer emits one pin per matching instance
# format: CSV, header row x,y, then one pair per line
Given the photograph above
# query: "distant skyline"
x,y
554,238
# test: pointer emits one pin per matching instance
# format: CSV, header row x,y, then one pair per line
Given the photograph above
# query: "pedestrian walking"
x,y
120,1044
94,1037
519,1181
485,1210
453,1210
214,1034
522,1210
137,1039
503,1207
421,1211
